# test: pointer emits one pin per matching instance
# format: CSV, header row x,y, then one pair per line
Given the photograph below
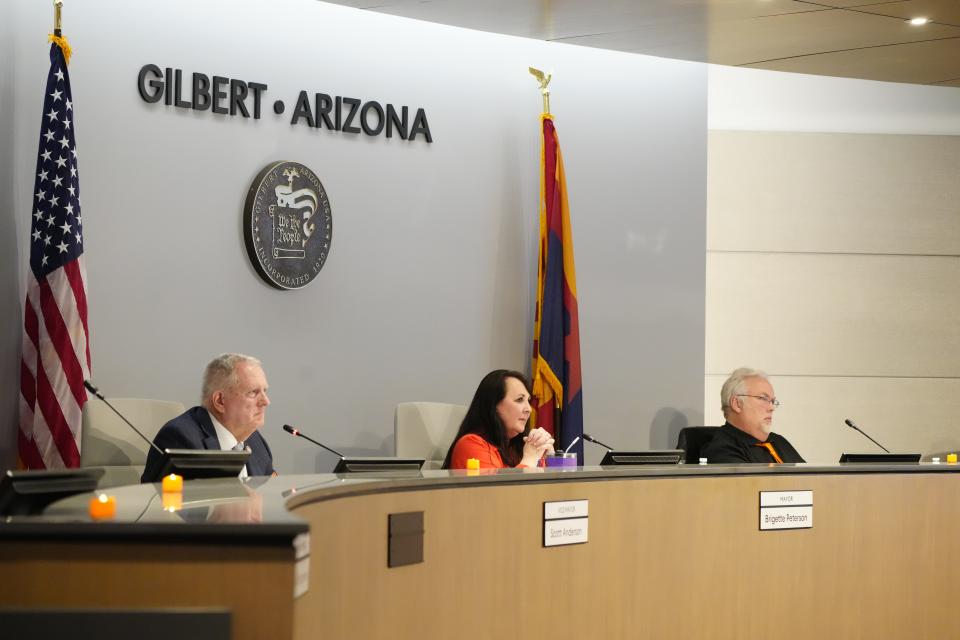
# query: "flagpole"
x,y
55,304
543,79
557,422
556,375
57,6
537,385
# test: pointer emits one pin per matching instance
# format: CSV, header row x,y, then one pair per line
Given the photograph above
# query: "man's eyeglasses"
x,y
773,401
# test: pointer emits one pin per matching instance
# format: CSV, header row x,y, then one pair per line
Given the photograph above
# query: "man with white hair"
x,y
233,406
748,402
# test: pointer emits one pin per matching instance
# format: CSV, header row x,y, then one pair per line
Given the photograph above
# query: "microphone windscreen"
x,y
290,429
92,389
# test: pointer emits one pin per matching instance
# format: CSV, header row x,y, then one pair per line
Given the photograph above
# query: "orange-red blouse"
x,y
473,445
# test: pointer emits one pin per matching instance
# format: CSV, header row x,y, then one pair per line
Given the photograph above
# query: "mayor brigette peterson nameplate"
x,y
287,225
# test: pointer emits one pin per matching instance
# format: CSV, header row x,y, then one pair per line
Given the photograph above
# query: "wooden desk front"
x,y
672,552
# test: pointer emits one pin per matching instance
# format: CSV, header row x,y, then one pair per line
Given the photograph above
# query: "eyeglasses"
x,y
773,401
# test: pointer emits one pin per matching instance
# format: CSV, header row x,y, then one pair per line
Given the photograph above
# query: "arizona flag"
x,y
556,331
56,353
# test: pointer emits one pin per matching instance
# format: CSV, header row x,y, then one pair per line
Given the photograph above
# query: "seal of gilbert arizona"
x,y
287,225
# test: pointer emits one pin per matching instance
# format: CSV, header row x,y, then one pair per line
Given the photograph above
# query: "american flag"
x,y
56,351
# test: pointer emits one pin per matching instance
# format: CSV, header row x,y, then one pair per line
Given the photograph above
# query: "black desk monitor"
x,y
365,465
203,463
881,458
632,458
29,492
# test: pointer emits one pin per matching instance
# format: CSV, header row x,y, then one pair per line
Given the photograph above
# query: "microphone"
x,y
850,424
296,432
92,389
590,438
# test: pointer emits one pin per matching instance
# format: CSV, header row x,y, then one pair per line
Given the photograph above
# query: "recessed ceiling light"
x,y
918,22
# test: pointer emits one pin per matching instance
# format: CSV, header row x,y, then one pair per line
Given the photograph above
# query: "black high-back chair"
x,y
693,439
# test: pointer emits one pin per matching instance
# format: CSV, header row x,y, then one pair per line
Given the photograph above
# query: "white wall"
x,y
833,256
851,308
10,315
428,284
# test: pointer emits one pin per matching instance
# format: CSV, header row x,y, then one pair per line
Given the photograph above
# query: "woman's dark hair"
x,y
482,418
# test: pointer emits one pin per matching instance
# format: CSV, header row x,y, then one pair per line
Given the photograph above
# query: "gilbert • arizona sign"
x,y
232,97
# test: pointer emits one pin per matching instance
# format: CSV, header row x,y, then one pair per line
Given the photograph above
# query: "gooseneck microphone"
x,y
296,432
850,424
590,438
92,389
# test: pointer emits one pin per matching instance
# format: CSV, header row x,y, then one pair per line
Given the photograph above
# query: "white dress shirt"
x,y
227,441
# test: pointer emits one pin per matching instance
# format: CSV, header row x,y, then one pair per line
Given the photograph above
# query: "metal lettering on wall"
x,y
287,225
229,96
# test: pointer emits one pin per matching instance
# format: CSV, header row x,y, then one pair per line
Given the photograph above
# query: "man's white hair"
x,y
221,374
735,386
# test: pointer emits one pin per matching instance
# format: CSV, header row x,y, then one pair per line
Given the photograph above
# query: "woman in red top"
x,y
495,429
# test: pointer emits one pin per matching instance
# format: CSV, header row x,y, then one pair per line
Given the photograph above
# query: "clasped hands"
x,y
535,444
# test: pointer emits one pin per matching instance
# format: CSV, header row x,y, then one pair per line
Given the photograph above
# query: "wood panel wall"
x,y
833,263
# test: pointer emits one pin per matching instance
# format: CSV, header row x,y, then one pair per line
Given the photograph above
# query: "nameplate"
x,y
301,546
301,577
786,510
301,567
557,533
565,509
786,498
565,522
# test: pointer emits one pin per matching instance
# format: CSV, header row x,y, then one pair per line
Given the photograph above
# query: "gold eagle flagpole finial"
x,y
544,80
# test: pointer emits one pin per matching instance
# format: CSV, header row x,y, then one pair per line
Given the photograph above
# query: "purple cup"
x,y
561,461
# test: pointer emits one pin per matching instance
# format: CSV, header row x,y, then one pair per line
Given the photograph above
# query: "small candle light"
x,y
952,458
473,463
172,501
103,507
173,483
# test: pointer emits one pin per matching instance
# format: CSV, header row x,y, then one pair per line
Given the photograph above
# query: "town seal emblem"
x,y
287,225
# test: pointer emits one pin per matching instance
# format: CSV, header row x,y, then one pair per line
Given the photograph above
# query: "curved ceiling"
x,y
848,38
